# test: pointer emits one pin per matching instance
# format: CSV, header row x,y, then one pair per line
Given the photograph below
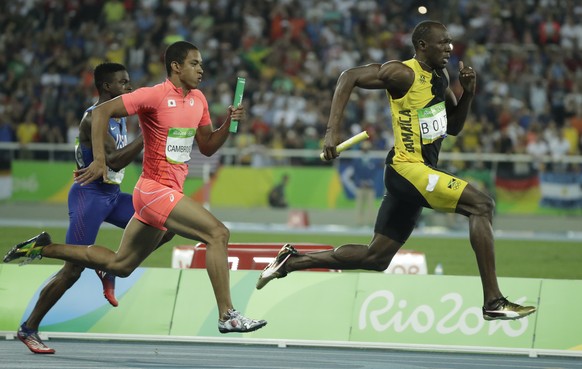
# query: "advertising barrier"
x,y
308,188
444,310
345,307
561,323
37,181
83,308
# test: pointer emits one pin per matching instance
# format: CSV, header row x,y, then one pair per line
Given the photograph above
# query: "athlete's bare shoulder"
x,y
398,77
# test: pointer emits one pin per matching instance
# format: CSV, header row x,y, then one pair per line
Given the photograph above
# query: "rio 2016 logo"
x,y
384,312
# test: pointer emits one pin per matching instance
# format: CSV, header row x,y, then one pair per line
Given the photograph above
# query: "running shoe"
x,y
31,339
30,249
235,322
506,310
274,270
108,281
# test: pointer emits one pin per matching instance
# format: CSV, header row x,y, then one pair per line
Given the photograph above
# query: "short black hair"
x,y
422,30
103,73
177,52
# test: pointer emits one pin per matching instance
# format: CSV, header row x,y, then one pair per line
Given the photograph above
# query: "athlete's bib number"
x,y
433,122
114,177
179,144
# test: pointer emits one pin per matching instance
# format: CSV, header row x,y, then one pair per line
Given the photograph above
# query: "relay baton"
x,y
349,143
238,96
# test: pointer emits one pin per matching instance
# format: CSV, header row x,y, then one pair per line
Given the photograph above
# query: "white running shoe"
x,y
238,323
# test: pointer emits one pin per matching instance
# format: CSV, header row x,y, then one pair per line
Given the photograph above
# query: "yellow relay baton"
x,y
349,143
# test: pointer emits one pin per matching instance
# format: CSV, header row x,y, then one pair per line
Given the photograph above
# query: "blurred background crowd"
x,y
527,54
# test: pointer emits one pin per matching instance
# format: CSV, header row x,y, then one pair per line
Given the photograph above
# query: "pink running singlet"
x,y
168,121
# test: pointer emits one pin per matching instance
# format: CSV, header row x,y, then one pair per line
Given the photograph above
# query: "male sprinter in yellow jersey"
x,y
424,112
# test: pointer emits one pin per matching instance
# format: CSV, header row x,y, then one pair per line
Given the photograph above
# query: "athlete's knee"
x,y
167,237
70,273
121,268
219,235
123,271
490,205
485,206
379,264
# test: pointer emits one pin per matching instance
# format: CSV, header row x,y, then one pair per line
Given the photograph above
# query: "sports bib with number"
x,y
114,177
179,144
433,122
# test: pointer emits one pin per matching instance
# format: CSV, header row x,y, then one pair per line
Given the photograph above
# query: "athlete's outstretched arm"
x,y
457,111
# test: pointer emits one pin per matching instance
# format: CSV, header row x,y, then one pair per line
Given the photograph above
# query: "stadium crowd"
x,y
527,54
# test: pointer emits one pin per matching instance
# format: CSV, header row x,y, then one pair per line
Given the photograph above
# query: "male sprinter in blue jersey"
x,y
424,112
92,204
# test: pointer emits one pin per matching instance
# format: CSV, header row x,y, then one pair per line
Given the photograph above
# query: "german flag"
x,y
517,189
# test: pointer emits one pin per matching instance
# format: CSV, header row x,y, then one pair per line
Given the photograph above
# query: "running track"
x,y
122,354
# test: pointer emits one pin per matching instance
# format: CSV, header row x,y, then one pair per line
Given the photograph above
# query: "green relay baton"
x,y
238,96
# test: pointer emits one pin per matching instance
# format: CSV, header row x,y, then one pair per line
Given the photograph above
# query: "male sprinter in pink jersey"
x,y
172,114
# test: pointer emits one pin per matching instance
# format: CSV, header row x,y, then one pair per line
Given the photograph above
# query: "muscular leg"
x,y
190,220
396,218
138,241
479,208
375,256
52,292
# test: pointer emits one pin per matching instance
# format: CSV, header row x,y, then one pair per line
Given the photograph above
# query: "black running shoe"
x,y
29,249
